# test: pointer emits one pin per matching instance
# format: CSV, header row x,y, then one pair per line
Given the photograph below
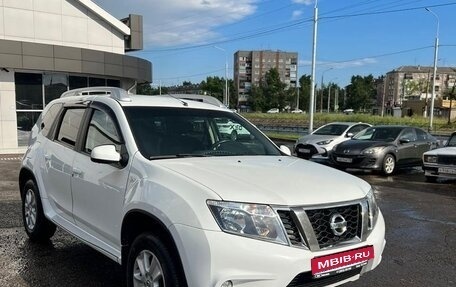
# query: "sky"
x,y
189,40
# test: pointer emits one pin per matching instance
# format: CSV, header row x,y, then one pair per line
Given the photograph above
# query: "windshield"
x,y
331,130
452,141
177,132
384,134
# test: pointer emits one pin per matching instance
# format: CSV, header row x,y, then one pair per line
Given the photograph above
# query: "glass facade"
x,y
35,90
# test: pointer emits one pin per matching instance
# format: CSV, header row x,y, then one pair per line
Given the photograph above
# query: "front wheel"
x,y
151,263
37,226
389,164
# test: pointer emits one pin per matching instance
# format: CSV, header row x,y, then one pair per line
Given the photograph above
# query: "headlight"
x,y
250,220
372,209
372,150
324,142
430,158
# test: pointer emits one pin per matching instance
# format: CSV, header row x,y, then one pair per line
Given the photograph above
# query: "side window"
x,y
49,118
409,134
102,131
356,129
421,135
69,127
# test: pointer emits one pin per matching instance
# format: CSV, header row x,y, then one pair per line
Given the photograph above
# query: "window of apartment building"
x,y
280,60
257,72
437,88
257,59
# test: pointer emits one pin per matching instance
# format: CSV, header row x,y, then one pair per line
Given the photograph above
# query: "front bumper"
x,y
358,161
213,257
438,170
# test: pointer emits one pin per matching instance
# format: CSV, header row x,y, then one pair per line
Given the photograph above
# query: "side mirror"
x,y
285,150
349,135
404,140
105,154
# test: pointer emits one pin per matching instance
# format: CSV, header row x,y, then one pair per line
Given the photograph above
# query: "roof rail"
x,y
200,98
115,93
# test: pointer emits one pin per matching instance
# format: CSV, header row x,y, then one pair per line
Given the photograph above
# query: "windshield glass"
x,y
331,130
384,134
452,141
176,132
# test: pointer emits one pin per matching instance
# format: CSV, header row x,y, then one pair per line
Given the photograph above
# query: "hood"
x,y
313,139
451,150
276,180
357,146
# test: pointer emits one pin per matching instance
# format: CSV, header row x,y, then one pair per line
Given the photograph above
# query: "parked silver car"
x,y
317,145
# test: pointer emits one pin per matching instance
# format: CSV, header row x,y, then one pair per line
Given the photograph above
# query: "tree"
x,y
360,93
214,86
304,92
273,90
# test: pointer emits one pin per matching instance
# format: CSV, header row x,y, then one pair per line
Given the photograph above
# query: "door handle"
x,y
77,171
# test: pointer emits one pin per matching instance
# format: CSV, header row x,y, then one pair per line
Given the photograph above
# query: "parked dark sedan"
x,y
384,148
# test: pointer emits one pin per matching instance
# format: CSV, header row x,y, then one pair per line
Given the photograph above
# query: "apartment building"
x,y
250,68
415,83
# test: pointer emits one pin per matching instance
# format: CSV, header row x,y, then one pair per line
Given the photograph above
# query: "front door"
x,y
99,189
407,151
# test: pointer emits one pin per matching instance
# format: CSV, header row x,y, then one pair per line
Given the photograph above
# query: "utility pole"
x,y
436,52
312,81
329,97
321,89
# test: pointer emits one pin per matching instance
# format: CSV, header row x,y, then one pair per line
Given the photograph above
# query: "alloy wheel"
x,y
147,271
30,209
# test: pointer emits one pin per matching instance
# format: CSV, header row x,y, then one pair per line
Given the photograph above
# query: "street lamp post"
x,y
436,52
312,78
321,89
226,98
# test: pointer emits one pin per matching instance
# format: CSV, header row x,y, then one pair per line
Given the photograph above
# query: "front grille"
x,y
305,279
310,147
447,159
311,228
290,227
320,219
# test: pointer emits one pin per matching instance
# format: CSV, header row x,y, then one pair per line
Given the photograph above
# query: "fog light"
x,y
227,284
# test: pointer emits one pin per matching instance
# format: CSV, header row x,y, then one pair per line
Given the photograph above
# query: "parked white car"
x,y
231,130
273,111
441,162
149,182
320,143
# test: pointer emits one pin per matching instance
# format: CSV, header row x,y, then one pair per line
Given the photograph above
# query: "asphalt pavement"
x,y
420,251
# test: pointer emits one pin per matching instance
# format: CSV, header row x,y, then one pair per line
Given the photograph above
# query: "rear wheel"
x,y
389,164
152,264
37,226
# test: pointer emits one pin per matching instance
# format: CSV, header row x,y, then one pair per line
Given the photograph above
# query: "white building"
x,y
50,46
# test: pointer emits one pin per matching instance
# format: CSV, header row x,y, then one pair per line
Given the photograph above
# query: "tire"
x,y
388,165
37,226
150,247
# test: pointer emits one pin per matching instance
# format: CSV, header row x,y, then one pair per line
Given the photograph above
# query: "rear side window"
x,y
70,126
49,118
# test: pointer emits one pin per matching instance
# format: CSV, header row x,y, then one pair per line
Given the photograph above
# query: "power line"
x,y
387,11
262,32
191,76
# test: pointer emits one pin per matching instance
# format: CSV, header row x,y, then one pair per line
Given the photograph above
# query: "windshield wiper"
x,y
179,155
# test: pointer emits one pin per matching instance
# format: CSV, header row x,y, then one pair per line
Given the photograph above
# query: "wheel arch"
x,y
138,221
24,175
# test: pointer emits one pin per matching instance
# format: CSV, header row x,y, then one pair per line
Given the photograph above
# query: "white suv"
x,y
150,182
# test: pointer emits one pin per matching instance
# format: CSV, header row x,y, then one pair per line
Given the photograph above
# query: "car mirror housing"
x,y
349,135
404,140
285,150
105,154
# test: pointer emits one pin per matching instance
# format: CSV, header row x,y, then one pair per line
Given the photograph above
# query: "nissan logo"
x,y
346,151
338,224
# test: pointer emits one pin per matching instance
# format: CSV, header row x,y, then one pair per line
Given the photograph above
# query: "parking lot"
x,y
420,219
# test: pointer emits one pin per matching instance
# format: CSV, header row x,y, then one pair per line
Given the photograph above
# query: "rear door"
x,y
423,141
98,188
59,153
